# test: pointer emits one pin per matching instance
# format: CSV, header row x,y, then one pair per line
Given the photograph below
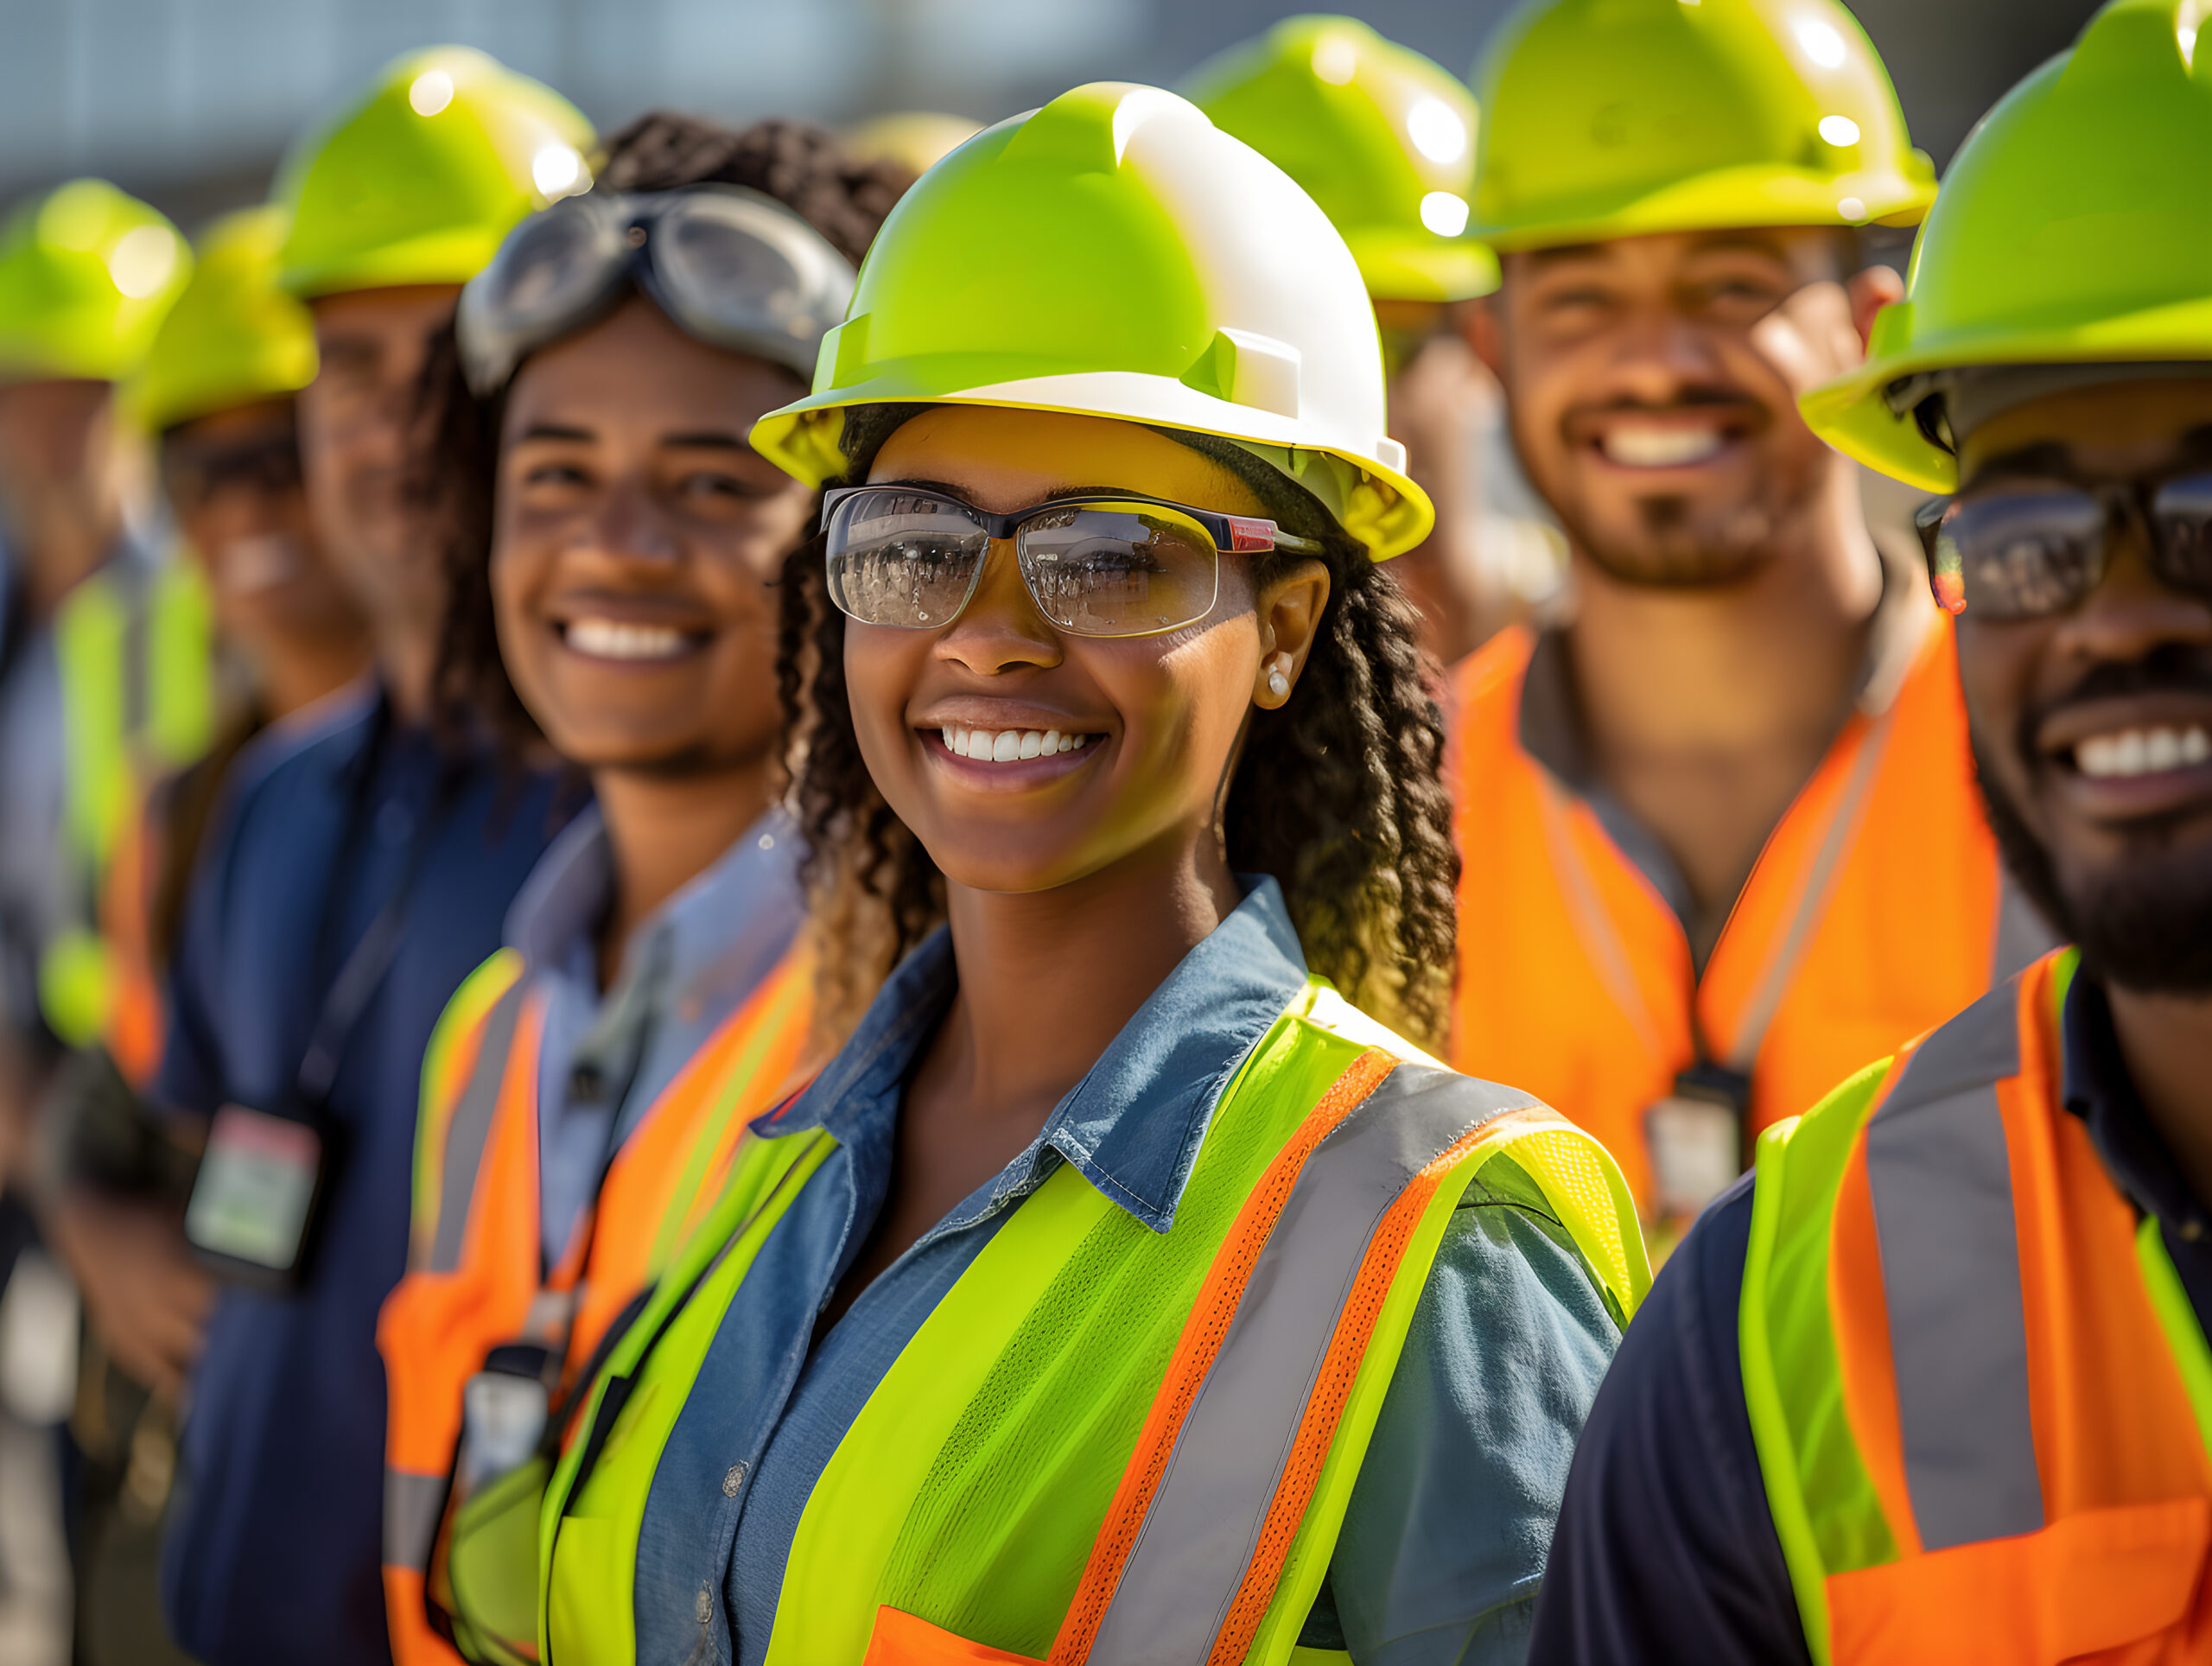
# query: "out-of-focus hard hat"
x,y
916,140
418,179
233,337
1114,254
1382,137
2074,226
1609,118
86,274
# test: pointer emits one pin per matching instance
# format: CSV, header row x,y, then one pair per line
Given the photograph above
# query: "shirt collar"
x,y
721,930
1132,1126
2099,1090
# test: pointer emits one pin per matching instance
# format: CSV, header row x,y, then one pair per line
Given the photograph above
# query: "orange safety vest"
x,y
473,1280
1981,1401
1874,910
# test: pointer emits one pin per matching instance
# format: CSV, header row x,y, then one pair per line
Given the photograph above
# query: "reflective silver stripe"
x,y
2022,938
1943,1195
413,1505
1204,1521
470,1128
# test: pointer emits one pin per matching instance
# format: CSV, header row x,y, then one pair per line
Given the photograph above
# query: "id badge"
x,y
253,1200
503,1417
1695,1139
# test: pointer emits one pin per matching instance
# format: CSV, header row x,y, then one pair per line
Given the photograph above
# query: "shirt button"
x,y
767,842
733,1479
2192,1228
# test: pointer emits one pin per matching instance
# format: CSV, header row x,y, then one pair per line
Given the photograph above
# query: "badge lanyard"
x,y
1697,1132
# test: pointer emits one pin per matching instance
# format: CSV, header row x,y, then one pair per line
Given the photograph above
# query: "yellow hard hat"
x,y
1382,138
917,140
1609,118
233,337
418,179
86,274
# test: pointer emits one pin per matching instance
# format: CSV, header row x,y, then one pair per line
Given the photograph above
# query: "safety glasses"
x,y
2030,553
730,267
1095,564
193,474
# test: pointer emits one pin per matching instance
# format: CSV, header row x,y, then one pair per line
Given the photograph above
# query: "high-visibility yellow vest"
x,y
135,651
1981,1401
1086,1377
476,1281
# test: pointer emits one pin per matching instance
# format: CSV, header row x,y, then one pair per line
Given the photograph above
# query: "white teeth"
x,y
1006,746
608,639
2142,752
1653,445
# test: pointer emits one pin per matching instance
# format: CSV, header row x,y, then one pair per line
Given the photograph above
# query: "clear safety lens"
x,y
902,558
719,269
1118,569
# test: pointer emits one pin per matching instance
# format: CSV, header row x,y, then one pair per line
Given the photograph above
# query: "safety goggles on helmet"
x,y
2032,552
730,267
1096,564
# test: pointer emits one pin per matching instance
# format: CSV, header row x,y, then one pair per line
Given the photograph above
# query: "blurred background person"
x,y
1384,140
614,542
360,868
1704,877
216,390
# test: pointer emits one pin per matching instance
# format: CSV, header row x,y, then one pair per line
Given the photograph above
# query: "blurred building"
x,y
188,102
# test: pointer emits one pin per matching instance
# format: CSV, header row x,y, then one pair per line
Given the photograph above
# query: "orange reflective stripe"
x,y
2093,1586
1195,1350
1325,1404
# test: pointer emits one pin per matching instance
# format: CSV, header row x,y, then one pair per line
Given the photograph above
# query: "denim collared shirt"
x,y
604,1058
1445,1536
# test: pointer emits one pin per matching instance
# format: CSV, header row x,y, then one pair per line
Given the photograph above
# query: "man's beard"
x,y
1676,548
2143,922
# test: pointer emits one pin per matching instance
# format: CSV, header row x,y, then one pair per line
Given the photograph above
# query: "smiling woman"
x,y
1120,1290
614,537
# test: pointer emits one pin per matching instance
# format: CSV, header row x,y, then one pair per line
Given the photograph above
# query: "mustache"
x,y
2169,668
1576,424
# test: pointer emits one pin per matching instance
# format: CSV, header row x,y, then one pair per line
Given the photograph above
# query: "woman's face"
x,y
1159,716
634,535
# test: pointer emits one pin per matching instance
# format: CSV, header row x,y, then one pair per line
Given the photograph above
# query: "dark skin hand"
x,y
1107,859
1723,571
147,1298
2036,713
636,535
355,422
232,479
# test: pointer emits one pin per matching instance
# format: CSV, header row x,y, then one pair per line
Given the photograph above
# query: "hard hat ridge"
x,y
1114,254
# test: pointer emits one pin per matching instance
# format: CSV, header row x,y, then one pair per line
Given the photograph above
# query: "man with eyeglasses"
x,y
1699,883
1935,1386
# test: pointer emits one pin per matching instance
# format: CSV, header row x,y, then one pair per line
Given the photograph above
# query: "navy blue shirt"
x,y
1665,1550
275,1538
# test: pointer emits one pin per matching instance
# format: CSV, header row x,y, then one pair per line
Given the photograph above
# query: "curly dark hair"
x,y
454,466
1338,794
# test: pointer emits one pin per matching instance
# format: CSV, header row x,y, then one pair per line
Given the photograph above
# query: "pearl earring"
x,y
1278,684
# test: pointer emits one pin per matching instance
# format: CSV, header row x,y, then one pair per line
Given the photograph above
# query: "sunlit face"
x,y
1652,385
232,480
356,421
1157,717
636,534
2093,726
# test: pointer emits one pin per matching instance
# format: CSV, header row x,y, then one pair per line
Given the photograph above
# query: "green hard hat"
x,y
419,179
85,275
233,337
1382,137
1608,119
1114,254
2074,228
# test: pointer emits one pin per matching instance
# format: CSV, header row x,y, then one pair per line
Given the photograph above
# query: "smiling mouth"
x,y
626,640
1009,746
2148,749
1660,445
